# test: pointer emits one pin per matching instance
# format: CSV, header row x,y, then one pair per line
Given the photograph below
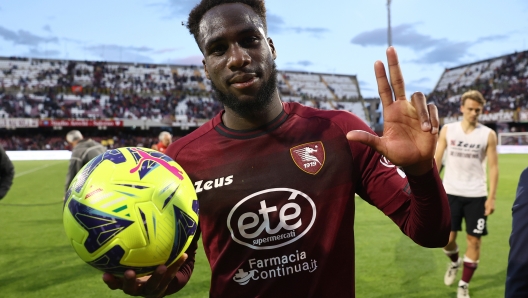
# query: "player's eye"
x,y
218,50
249,41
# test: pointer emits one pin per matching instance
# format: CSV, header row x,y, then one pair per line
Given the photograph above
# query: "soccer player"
x,y
517,279
83,151
7,173
276,181
165,139
468,144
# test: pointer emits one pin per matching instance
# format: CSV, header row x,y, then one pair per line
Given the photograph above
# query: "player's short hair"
x,y
474,95
197,13
163,134
74,135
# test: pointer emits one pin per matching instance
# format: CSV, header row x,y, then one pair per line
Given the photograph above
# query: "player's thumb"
x,y
364,138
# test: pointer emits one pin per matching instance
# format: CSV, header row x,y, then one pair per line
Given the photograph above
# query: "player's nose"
x,y
238,57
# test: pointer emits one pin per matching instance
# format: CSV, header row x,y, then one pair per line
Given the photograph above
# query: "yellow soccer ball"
x,y
130,208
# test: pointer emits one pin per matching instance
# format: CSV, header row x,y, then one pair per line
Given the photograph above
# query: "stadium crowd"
x,y
503,82
60,89
54,89
58,142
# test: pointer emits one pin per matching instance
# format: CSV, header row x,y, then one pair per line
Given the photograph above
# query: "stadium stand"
x,y
57,89
92,94
502,80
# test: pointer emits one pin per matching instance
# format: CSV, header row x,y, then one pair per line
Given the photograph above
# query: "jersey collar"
x,y
250,133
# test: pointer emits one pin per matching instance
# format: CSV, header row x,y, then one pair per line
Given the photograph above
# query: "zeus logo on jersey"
x,y
464,145
271,218
210,184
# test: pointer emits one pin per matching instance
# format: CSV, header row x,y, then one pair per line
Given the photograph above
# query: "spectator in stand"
x,y
165,139
7,173
83,151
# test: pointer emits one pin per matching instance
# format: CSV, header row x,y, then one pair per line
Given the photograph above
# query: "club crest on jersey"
x,y
309,157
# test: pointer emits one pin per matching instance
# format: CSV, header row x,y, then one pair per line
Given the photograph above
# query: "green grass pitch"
x,y
36,259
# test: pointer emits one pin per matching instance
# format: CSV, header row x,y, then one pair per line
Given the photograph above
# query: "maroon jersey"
x,y
277,203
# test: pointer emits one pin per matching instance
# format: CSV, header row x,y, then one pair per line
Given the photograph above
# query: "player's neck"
x,y
235,121
467,126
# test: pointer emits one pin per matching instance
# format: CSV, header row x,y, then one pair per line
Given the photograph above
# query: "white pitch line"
x,y
34,170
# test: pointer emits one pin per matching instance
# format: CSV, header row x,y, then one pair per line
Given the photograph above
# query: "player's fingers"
x,y
176,266
111,281
163,276
153,283
365,138
418,101
129,283
171,273
384,88
433,117
396,76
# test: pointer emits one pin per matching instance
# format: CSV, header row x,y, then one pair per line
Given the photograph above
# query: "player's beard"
x,y
263,98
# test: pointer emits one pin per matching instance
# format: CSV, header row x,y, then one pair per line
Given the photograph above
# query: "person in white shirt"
x,y
468,144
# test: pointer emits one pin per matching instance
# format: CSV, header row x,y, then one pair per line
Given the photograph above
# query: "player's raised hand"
x,y
410,128
151,286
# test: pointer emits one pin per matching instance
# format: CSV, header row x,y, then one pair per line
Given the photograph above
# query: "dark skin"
x,y
237,58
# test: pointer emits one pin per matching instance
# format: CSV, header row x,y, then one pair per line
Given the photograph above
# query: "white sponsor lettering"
x,y
265,235
275,267
211,184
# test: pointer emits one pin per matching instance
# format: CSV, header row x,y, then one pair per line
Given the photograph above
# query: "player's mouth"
x,y
243,81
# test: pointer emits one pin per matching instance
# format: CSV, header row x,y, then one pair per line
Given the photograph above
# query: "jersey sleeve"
x,y
417,204
184,273
517,276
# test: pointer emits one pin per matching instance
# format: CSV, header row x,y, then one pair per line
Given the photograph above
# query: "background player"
x,y
83,151
274,222
165,139
468,144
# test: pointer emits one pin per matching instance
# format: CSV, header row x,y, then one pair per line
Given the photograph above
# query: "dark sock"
x,y
469,269
453,255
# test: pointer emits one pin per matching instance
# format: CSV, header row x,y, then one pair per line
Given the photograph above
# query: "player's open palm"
x,y
410,128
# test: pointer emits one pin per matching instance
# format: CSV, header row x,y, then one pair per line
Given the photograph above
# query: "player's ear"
x,y
205,69
272,47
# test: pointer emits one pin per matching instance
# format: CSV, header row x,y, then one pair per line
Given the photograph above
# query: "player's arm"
x,y
440,147
7,173
417,204
74,167
185,271
493,165
425,216
410,136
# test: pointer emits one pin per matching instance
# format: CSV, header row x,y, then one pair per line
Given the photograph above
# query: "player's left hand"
x,y
410,128
150,286
489,206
